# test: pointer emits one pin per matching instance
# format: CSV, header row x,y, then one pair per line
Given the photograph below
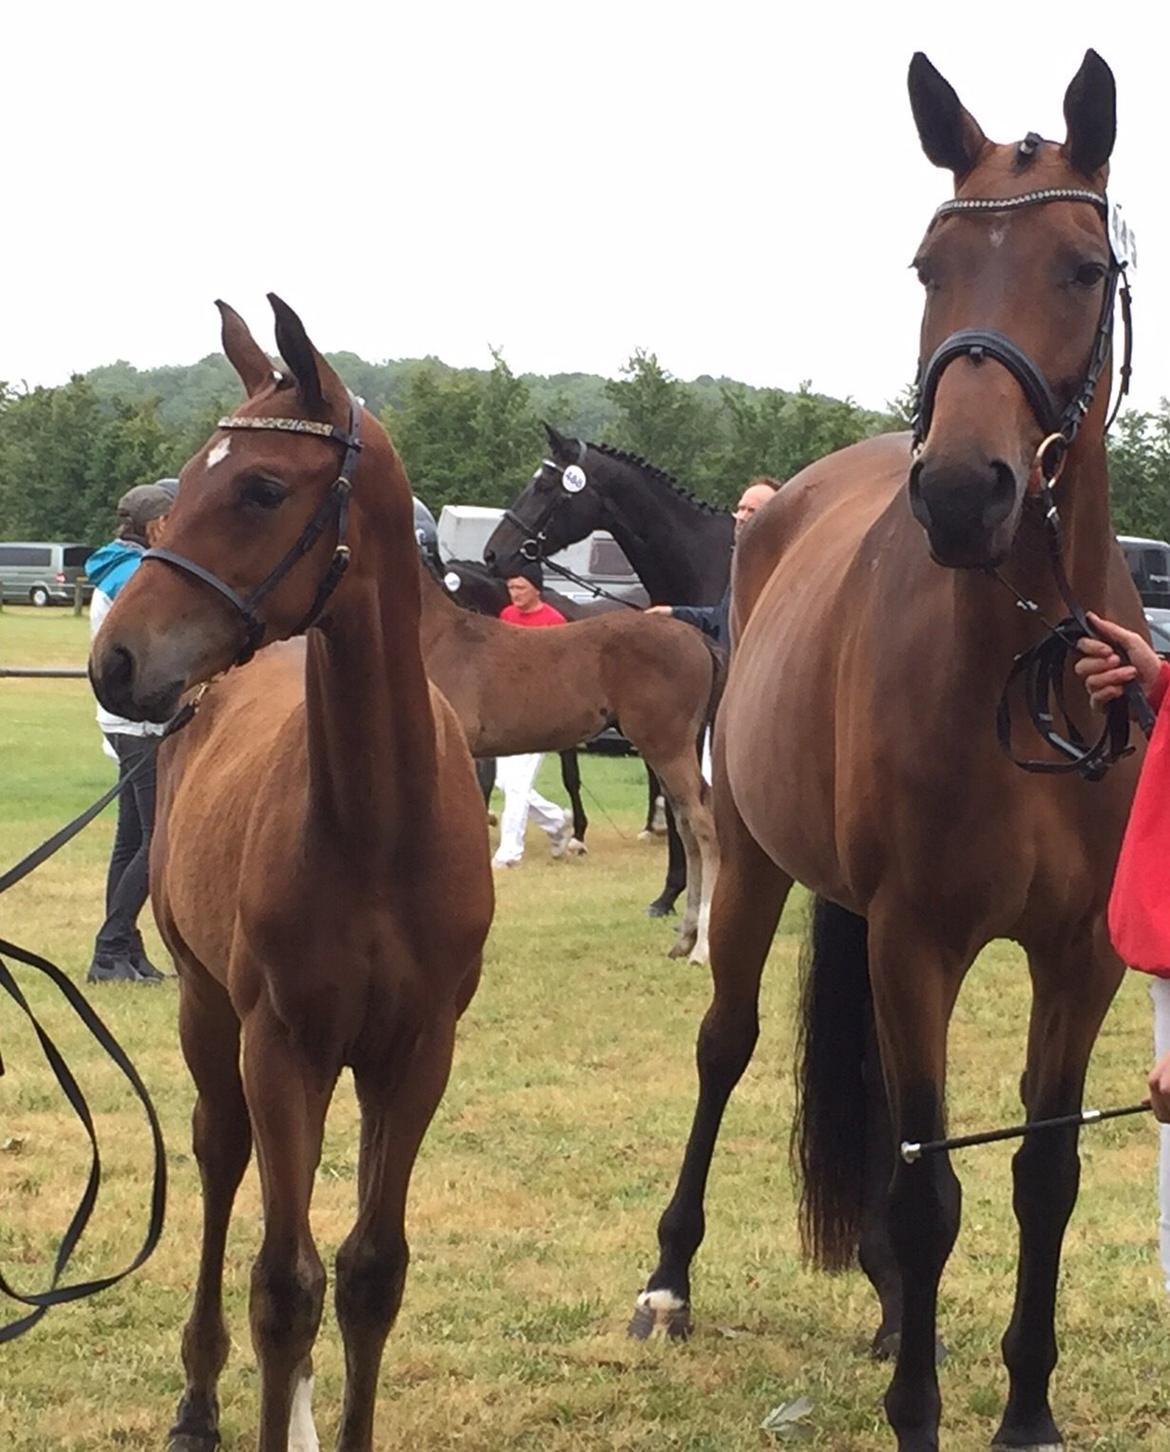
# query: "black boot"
x,y
114,968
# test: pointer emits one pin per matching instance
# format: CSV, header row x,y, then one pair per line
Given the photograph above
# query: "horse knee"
x,y
370,1281
287,1298
726,1043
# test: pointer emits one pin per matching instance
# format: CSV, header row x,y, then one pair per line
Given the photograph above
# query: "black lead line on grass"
x,y
911,1151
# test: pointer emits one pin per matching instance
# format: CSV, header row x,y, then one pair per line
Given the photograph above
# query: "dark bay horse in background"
x,y
517,690
312,821
872,643
679,546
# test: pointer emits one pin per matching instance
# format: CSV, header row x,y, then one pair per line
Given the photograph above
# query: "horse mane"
x,y
652,471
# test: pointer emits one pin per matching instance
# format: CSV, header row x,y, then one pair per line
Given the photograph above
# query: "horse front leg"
x,y
915,983
287,1099
571,780
210,1035
397,1103
749,896
1071,992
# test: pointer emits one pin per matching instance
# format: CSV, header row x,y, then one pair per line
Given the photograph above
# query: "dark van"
x,y
1149,564
39,573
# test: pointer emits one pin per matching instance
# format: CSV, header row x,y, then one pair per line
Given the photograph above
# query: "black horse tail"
x,y
829,1132
718,679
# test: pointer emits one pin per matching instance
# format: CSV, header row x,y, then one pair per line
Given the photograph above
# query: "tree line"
x,y
470,436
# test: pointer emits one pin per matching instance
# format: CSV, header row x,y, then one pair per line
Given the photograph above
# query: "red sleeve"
x,y
554,616
1161,686
510,614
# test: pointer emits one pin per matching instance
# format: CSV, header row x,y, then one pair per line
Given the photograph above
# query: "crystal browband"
x,y
1007,204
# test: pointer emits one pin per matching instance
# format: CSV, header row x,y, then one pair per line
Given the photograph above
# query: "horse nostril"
x,y
1001,497
119,671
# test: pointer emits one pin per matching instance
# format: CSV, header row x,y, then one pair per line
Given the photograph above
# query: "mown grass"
x,y
536,1195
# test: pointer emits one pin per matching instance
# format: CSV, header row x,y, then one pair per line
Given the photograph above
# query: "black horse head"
x,y
558,506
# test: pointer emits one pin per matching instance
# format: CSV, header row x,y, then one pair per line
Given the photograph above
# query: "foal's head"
x,y
560,504
260,530
1038,275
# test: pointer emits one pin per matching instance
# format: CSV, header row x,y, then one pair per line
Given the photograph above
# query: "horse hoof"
x,y
645,835
659,909
680,948
577,848
660,1316
193,1442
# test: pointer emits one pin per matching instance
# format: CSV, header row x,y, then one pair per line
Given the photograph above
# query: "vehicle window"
x,y
25,555
608,558
1156,568
75,556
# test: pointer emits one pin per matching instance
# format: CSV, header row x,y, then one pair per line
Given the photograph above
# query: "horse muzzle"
x,y
969,509
126,689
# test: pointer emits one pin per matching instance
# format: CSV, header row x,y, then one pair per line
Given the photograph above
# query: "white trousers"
x,y
1160,993
514,777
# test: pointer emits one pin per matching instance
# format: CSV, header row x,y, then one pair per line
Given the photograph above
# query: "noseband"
x,y
1060,426
334,505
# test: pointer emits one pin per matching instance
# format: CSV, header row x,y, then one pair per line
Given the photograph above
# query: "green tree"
x,y
660,418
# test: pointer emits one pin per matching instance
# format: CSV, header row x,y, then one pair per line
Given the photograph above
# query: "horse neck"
x,y
680,552
371,729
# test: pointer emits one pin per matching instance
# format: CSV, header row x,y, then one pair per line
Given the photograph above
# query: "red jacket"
x,y
1139,903
542,615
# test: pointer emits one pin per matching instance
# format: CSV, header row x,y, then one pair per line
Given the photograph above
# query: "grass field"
x,y
538,1189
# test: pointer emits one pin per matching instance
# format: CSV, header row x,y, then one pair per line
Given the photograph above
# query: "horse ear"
x,y
243,352
1090,112
315,378
950,135
562,447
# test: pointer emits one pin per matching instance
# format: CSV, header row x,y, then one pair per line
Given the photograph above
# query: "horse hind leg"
x,y
676,868
210,1032
749,895
1071,992
571,779
287,1099
371,1264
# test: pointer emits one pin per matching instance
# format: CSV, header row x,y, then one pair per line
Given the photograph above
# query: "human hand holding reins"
x,y
1106,676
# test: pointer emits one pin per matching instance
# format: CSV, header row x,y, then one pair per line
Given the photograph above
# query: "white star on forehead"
x,y
219,453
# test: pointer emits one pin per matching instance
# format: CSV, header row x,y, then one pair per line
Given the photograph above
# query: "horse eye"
x,y
263,493
925,276
1089,274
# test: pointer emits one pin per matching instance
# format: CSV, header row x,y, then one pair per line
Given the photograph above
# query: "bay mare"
x,y
311,822
867,673
518,690
679,545
471,584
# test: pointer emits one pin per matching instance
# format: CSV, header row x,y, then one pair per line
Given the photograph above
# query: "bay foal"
x,y
320,870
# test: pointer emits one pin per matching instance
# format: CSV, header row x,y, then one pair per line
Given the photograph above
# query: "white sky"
x,y
736,186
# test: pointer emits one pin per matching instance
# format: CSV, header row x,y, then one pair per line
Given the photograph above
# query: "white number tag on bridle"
x,y
573,479
1121,238
452,582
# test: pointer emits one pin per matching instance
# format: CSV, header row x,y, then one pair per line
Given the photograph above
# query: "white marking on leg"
x,y
302,1434
700,952
661,1300
219,453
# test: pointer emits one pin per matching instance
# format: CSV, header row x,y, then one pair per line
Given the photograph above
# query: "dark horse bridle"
x,y
1042,668
335,506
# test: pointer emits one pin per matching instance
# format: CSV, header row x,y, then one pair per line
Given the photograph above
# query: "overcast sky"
x,y
738,187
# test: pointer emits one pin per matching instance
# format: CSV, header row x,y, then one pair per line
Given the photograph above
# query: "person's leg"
x,y
551,819
514,776
118,938
1160,993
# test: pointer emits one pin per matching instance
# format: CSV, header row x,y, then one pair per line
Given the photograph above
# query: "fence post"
x,y
77,584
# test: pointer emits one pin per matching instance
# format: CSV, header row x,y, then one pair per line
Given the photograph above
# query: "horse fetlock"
x,y
661,1315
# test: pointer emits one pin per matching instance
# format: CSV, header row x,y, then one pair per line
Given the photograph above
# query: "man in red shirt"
x,y
515,774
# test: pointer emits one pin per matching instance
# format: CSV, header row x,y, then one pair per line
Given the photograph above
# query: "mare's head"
x,y
1016,298
560,504
259,539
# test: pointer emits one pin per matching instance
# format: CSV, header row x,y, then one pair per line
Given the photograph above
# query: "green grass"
x,y
537,1191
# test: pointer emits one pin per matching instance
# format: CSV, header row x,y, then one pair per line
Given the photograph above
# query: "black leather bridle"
x,y
1041,669
335,506
536,533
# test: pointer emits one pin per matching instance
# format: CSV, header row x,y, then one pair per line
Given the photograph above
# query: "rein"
x,y
335,506
57,1294
1041,669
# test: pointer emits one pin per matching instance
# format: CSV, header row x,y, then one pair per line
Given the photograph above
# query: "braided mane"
x,y
652,471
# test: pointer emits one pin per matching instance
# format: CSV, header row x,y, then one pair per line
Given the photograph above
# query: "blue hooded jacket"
x,y
111,566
